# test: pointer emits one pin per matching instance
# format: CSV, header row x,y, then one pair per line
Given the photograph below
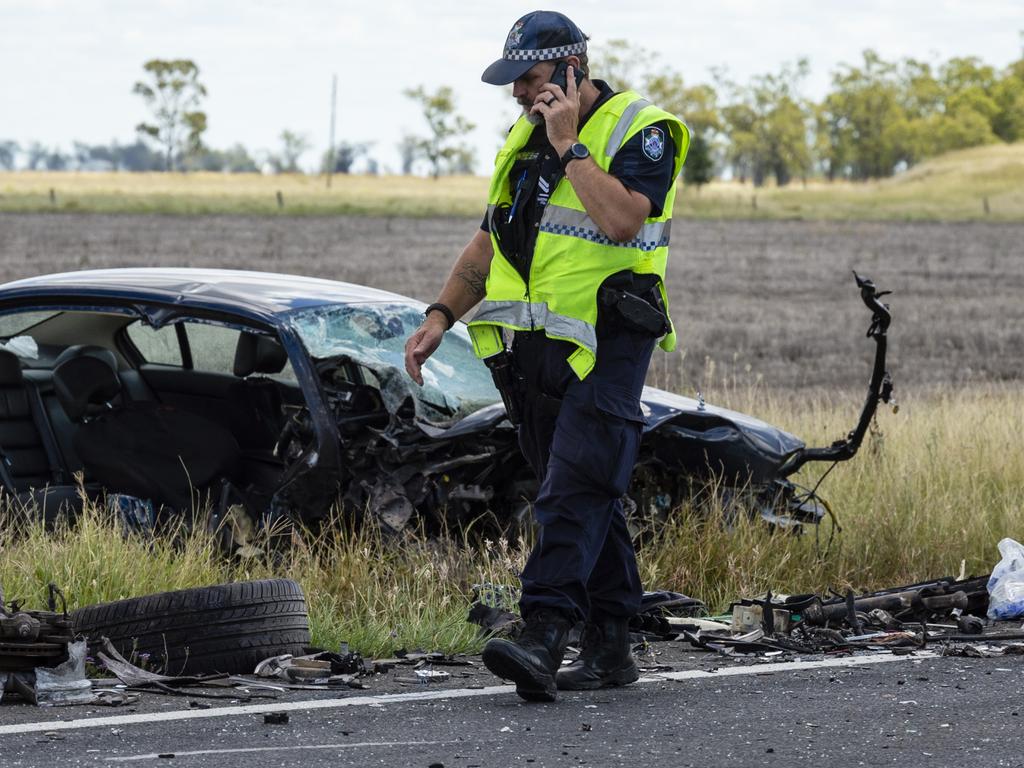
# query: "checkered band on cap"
x,y
544,54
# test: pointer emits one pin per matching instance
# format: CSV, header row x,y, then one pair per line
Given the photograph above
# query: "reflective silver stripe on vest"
x,y
521,314
619,132
559,220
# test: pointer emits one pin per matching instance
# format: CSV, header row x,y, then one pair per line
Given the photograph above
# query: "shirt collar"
x,y
605,93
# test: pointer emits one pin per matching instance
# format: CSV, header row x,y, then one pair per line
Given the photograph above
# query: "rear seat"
x,y
61,426
31,468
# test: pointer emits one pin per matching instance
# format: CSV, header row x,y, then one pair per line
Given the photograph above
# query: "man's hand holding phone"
x,y
559,104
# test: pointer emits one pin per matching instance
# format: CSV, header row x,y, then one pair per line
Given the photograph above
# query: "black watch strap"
x,y
443,309
576,151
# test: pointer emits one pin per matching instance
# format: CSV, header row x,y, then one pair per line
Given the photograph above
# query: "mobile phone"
x,y
560,76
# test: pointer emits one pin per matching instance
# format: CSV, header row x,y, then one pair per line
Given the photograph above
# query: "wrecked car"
x,y
168,389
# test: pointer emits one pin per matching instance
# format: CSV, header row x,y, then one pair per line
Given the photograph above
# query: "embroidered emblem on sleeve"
x,y
653,142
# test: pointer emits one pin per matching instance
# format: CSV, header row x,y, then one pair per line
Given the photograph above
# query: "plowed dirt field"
x,y
770,303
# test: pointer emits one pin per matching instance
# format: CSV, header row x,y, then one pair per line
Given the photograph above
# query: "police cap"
x,y
537,36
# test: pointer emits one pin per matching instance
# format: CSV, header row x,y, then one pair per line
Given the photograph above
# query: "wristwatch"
x,y
449,316
577,151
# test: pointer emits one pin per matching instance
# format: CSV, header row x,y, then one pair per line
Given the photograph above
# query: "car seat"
x,y
30,465
142,448
254,406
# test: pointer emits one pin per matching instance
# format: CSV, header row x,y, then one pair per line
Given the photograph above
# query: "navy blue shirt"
x,y
644,164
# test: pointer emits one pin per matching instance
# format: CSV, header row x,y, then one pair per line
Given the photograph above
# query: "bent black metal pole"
x,y
879,388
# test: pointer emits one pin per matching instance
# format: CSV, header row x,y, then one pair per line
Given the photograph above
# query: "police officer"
x,y
570,263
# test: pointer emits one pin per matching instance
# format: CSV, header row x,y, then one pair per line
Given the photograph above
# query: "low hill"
x,y
977,183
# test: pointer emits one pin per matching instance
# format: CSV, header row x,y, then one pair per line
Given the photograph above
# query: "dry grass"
x,y
941,484
954,187
244,193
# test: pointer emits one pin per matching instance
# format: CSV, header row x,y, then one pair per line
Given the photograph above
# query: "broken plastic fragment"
x,y
65,684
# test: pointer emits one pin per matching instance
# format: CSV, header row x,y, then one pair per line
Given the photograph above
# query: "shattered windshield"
x,y
455,382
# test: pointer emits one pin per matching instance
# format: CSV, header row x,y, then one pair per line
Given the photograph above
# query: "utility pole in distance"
x,y
330,146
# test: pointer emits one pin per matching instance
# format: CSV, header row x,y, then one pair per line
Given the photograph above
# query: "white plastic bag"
x,y
1006,584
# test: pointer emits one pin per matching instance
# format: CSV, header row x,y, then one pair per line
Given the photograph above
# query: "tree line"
x,y
172,139
878,117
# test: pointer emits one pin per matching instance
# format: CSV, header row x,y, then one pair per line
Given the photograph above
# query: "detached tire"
x,y
227,628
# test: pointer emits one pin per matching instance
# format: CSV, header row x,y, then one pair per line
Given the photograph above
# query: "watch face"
x,y
580,150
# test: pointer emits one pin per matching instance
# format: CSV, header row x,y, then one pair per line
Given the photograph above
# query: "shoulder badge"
x,y
653,142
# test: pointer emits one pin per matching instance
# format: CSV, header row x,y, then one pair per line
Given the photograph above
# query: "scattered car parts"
x,y
39,658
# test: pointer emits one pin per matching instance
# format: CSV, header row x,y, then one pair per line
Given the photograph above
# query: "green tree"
x,y
623,65
173,93
235,159
344,156
881,115
863,116
1008,94
699,167
441,148
767,124
697,105
293,146
8,151
137,156
408,149
41,158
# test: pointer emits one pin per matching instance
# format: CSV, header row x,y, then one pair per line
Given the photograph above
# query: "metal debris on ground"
x,y
138,679
943,613
325,669
432,675
39,659
315,670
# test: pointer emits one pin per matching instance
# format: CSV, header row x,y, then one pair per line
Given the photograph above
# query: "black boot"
x,y
606,659
532,660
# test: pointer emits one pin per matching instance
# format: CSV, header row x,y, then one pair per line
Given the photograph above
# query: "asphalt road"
x,y
900,711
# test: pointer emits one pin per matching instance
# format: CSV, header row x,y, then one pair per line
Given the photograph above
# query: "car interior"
x,y
151,413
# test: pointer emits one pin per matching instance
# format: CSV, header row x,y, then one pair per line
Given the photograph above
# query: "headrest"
x,y
82,383
87,350
10,369
256,353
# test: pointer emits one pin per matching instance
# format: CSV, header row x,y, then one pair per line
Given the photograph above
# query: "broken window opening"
x,y
373,335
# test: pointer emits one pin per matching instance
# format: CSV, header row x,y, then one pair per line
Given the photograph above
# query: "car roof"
x,y
229,290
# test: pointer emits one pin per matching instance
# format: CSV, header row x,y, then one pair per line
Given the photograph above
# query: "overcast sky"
x,y
67,68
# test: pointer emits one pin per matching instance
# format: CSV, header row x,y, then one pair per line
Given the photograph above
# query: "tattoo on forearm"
x,y
475,280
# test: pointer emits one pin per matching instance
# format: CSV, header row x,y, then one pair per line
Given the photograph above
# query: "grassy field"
x,y
982,183
934,490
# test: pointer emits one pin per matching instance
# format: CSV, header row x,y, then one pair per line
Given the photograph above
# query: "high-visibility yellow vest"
x,y
572,256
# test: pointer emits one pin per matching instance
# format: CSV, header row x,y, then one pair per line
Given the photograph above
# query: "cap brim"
x,y
503,71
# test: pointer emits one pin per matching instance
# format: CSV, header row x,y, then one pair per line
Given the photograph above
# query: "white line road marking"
x,y
785,666
401,698
291,748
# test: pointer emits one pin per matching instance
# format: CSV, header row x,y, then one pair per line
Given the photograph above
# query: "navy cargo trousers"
x,y
582,440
